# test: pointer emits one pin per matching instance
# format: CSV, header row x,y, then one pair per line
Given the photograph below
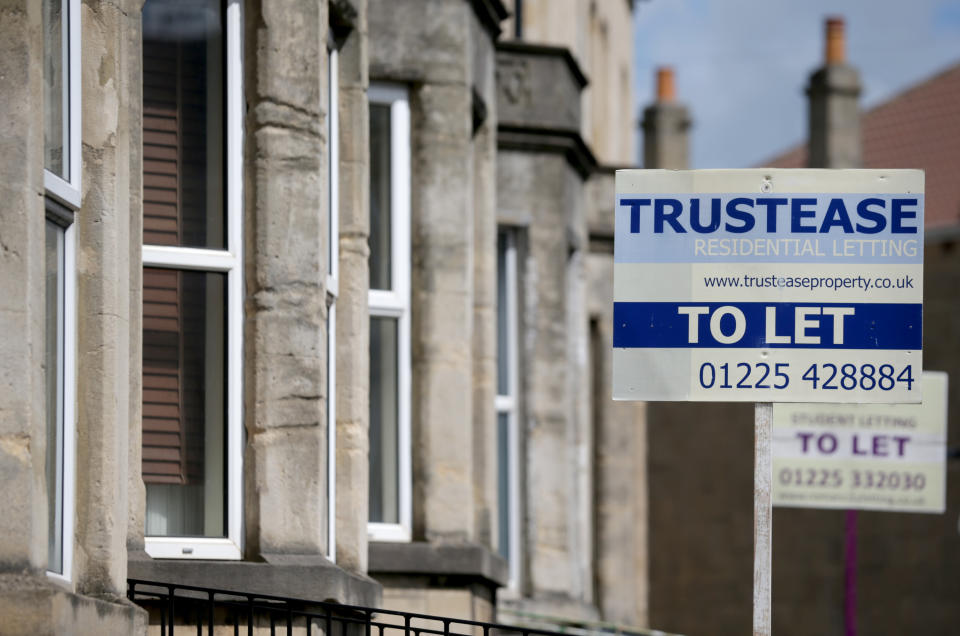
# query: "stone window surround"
x,y
396,303
62,202
227,261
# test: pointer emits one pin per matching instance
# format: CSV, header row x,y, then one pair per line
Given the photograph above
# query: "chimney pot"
x,y
836,42
666,88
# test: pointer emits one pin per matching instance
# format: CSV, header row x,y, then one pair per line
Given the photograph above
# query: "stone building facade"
x,y
312,299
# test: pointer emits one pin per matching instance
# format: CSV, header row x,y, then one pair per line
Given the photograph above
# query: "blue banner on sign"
x,y
768,325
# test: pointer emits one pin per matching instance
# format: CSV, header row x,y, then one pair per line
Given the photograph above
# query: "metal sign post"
x,y
762,518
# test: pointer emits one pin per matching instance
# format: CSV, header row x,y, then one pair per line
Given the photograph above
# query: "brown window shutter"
x,y
161,144
163,427
173,300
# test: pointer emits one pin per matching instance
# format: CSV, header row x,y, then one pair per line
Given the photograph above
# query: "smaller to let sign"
x,y
863,456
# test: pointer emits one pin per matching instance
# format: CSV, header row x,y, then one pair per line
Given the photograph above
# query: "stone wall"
x,y
106,247
540,192
471,170
442,51
620,519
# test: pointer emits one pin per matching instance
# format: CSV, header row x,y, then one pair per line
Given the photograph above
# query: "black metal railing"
x,y
186,609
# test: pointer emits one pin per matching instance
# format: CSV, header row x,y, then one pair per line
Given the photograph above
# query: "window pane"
x,y
183,402
380,212
332,170
503,312
384,421
55,89
53,351
503,484
183,122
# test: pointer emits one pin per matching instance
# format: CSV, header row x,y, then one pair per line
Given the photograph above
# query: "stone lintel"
x,y
531,139
466,560
490,13
306,577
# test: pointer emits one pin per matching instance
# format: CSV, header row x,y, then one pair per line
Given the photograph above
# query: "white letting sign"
x,y
768,285
863,456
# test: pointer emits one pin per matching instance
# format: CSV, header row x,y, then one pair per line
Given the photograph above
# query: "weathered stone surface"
x,y
599,35
293,575
287,488
620,471
484,343
288,41
430,45
666,128
285,352
538,87
32,606
136,489
415,594
353,321
420,40
834,118
23,534
446,559
105,250
600,214
553,349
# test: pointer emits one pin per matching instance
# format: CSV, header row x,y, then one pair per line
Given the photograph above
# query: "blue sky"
x,y
742,65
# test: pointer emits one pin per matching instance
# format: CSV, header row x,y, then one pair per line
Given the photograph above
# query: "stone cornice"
x,y
533,139
551,51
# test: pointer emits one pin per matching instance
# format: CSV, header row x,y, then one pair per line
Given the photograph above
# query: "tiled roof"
x,y
919,128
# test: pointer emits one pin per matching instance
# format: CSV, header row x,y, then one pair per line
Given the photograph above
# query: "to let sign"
x,y
768,285
863,456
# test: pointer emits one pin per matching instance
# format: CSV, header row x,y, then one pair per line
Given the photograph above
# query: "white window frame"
x,y
333,277
230,262
68,193
66,396
395,302
65,191
509,404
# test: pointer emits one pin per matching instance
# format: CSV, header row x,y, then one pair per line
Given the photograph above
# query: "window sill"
x,y
307,577
467,560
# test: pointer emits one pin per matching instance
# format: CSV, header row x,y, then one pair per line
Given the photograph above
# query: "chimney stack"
x,y
835,44
665,127
834,93
666,88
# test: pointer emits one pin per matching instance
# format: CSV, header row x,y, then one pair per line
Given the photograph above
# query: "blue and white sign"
x,y
768,285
